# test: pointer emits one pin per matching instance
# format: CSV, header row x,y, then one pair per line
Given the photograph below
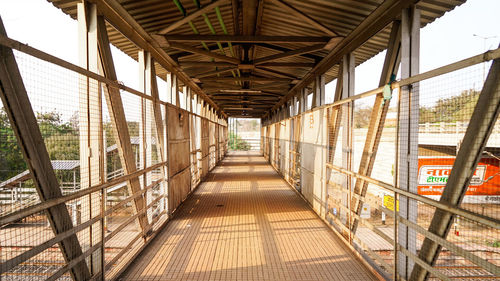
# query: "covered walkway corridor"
x,y
102,179
246,223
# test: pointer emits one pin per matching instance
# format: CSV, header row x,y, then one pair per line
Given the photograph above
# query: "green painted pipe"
x,y
224,29
191,24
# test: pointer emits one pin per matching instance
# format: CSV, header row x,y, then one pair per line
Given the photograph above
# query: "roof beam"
x,y
283,49
254,97
303,17
377,20
181,55
258,26
122,21
276,73
245,66
243,39
249,12
287,64
217,85
234,91
251,78
240,101
203,63
265,94
268,85
235,14
291,53
192,16
215,72
195,50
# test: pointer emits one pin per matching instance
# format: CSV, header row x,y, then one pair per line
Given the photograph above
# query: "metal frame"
x,y
487,112
25,126
54,203
377,119
484,118
118,120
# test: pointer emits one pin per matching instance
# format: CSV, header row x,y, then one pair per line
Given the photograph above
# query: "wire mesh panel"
x,y
388,203
104,146
447,103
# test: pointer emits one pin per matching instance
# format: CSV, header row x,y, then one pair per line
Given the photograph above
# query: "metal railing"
x,y
385,223
109,232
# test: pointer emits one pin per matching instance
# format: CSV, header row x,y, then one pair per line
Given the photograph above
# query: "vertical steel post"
x,y
89,123
348,64
408,134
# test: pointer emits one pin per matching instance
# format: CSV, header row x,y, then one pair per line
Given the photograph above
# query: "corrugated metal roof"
x,y
270,18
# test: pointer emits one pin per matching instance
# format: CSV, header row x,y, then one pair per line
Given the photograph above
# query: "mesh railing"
x,y
373,209
114,210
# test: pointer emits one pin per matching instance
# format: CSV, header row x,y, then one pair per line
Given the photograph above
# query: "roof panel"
x,y
339,16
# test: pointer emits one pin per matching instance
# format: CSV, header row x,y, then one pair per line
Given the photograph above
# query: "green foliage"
x,y
63,147
236,143
11,158
495,243
61,139
452,109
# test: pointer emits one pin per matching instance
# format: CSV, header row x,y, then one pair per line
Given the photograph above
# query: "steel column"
x,y
408,135
348,65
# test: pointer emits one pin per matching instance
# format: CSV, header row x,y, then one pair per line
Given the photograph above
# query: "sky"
x,y
446,40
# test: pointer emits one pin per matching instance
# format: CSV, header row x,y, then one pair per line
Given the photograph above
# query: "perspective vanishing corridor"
x,y
128,160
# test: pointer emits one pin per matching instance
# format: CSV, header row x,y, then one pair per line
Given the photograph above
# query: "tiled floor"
x,y
245,223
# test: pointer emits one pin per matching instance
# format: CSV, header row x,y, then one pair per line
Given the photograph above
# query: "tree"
x,y
11,158
61,140
452,109
236,143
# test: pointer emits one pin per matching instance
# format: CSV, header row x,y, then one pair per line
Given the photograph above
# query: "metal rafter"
x,y
249,78
203,52
242,39
119,18
378,19
192,16
291,53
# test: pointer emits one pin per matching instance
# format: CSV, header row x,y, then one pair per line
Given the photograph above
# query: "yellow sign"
x,y
389,202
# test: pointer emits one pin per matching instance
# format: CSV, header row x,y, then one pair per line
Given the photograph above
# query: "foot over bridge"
x,y
101,179
244,222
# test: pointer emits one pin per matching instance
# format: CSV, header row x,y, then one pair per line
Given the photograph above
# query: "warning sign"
x,y
389,202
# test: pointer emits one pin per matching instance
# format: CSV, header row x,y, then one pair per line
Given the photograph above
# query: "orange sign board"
x,y
433,174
